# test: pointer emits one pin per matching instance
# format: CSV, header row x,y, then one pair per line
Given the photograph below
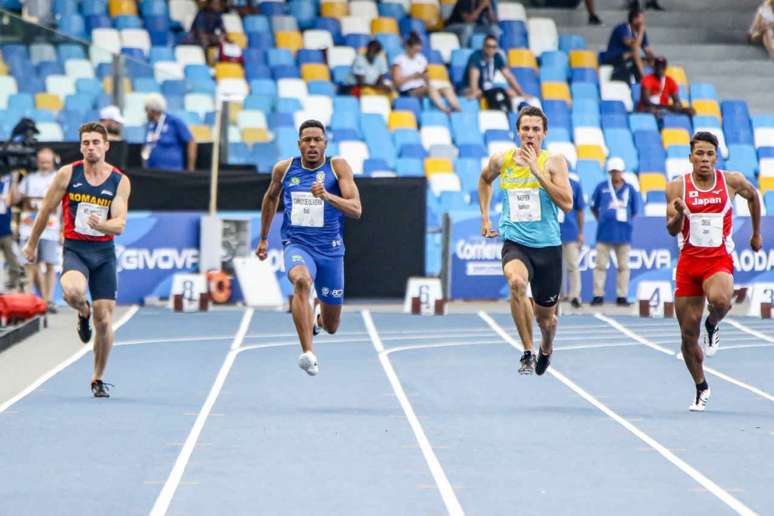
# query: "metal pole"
x,y
215,166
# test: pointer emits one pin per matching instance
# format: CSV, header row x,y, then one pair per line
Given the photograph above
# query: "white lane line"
x,y
686,468
711,370
161,505
453,506
66,363
748,330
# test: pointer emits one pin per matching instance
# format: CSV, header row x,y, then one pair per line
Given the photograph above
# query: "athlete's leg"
x,y
331,317
301,279
719,289
547,321
103,335
74,290
517,275
329,285
689,311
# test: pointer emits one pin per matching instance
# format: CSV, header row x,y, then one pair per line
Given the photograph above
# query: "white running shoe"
x,y
701,400
308,362
711,341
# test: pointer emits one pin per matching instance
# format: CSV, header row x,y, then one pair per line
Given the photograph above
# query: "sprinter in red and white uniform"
x,y
699,213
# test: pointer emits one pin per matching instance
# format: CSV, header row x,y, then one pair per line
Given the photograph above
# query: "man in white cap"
x,y
614,204
110,117
169,144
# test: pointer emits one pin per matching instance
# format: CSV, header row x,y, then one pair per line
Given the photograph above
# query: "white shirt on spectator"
x,y
34,187
407,67
370,71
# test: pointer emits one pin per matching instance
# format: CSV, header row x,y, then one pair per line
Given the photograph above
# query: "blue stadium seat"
x,y
620,144
201,86
79,102
345,134
615,121
552,74
408,25
285,72
161,54
514,34
357,41
127,22
73,25
346,120
464,128
434,118
569,42
765,152
98,22
402,137
47,68
263,87
590,175
70,51
147,85
558,114
584,75
585,119
585,91
496,135
326,88
408,104
304,12
557,134
279,56
377,136
256,71
264,40
263,103
450,201
153,8
134,134
288,105
281,120
238,153
94,7
256,23
472,151
372,165
409,167
305,55
642,122
270,9
265,155
103,70
655,196
412,150
768,201
743,158
700,90
556,59
333,26
528,80
677,121
678,151
174,88
469,171
391,10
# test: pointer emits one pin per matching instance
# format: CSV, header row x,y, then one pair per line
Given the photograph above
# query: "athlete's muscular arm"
x,y
50,202
743,187
349,202
118,208
269,206
555,179
675,206
488,175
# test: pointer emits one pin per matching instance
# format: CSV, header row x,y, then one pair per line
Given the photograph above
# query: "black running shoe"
x,y
542,363
100,389
84,327
527,361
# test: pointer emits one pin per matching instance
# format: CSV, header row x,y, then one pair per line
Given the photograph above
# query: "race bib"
x,y
85,209
524,204
706,229
307,211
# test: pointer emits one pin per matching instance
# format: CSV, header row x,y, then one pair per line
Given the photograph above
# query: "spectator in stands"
x,y
627,43
473,16
168,141
571,230
482,67
660,94
762,28
593,18
370,70
30,193
7,243
614,204
409,73
207,28
110,117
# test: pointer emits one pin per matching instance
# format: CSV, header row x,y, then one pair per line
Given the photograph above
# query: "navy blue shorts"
x,y
327,272
96,261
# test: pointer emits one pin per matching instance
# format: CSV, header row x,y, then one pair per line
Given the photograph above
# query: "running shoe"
x,y
84,327
100,389
711,339
542,363
317,324
527,361
702,397
308,362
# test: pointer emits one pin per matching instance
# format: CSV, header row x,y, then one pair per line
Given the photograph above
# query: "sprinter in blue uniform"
x,y
95,198
317,191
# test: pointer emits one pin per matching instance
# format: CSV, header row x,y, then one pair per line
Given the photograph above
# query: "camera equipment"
x,y
19,153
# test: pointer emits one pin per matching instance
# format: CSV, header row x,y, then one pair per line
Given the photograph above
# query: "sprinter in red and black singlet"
x,y
699,213
95,197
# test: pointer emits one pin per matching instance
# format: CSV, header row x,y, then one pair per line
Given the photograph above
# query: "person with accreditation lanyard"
x,y
169,144
614,204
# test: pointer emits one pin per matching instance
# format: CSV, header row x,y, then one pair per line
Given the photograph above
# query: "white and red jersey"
x,y
708,225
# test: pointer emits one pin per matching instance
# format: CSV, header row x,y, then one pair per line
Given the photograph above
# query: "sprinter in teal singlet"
x,y
317,191
535,187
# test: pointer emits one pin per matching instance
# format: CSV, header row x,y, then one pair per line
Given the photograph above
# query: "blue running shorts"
x,y
327,272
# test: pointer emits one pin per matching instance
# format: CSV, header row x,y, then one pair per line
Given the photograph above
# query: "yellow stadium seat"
x,y
384,26
107,85
48,101
201,133
238,38
291,40
3,68
677,73
234,108
437,72
706,108
583,59
334,9
671,137
652,181
315,72
521,58
402,120
122,8
428,13
555,91
229,71
438,166
765,184
591,152
255,135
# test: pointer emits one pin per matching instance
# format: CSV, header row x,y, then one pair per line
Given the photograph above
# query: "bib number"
x,y
86,209
307,211
706,230
524,204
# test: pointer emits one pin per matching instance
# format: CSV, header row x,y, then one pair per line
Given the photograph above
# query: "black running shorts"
x,y
544,265
96,261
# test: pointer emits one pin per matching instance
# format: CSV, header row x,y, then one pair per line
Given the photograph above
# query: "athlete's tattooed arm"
x,y
349,202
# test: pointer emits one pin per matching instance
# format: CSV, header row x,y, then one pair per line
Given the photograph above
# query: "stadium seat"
x,y
650,181
445,43
583,59
401,120
706,107
521,58
428,12
383,25
315,72
617,90
289,40
671,137
318,39
334,9
543,35
555,91
49,102
438,166
677,73
591,152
